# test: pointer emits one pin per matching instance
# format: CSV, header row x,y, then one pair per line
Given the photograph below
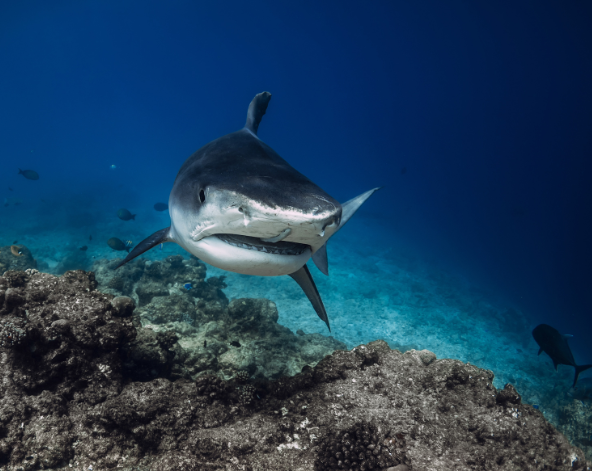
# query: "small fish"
x,y
187,286
205,343
10,189
235,343
16,251
15,242
128,243
125,215
161,206
84,248
29,174
117,244
113,167
160,246
555,345
12,201
536,406
90,237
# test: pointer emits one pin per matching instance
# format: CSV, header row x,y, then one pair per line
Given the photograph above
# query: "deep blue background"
x,y
487,105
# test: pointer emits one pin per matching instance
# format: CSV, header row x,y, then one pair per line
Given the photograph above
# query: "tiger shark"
x,y
237,205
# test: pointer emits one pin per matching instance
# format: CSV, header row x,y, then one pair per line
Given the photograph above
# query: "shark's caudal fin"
x,y
579,369
152,241
304,279
348,209
257,109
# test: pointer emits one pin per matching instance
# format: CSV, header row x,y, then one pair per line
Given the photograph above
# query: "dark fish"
x,y
555,345
125,215
403,170
235,343
89,237
12,201
10,189
84,248
117,244
15,242
29,174
583,392
161,206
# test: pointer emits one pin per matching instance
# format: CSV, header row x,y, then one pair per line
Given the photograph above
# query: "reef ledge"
x,y
69,401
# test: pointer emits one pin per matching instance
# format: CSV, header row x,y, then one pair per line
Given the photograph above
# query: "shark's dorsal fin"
x,y
320,259
304,279
152,241
256,111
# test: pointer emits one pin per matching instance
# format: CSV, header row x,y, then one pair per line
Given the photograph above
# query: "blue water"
x,y
475,118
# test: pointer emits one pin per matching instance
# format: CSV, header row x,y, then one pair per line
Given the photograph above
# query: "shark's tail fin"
x,y
579,369
257,109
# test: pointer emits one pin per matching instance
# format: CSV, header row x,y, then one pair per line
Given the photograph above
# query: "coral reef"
x,y
212,335
67,400
149,375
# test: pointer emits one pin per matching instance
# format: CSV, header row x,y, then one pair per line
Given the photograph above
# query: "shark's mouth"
x,y
253,243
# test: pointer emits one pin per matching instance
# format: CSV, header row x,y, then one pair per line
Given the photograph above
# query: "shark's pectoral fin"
x,y
304,279
348,209
351,206
152,241
320,260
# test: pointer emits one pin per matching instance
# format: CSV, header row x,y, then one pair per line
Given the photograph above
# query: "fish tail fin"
x,y
579,369
151,241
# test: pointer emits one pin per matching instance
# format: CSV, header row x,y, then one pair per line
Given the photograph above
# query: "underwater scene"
x,y
179,289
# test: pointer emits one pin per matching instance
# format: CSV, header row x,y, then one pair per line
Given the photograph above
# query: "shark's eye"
x,y
202,196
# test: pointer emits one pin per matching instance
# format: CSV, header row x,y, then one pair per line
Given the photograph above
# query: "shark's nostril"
x,y
329,223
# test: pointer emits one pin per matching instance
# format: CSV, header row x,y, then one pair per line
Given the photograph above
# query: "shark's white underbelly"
x,y
239,260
